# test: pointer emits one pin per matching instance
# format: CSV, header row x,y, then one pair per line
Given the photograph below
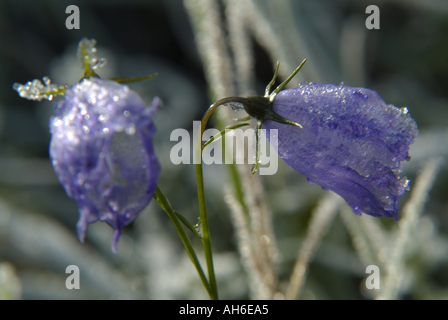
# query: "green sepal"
x,y
219,135
125,80
59,91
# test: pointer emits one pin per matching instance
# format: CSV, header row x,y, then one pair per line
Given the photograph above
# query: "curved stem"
x,y
166,206
201,194
211,109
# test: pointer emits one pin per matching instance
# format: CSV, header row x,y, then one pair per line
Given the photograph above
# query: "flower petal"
x,y
102,152
352,143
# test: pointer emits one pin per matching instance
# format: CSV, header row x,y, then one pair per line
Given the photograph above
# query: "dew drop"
x,y
114,205
265,238
46,80
130,130
406,185
198,227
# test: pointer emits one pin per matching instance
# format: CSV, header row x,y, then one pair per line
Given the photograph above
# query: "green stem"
x,y
206,232
166,206
204,220
201,194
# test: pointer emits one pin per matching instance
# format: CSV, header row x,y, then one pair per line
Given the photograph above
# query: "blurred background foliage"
x,y
405,61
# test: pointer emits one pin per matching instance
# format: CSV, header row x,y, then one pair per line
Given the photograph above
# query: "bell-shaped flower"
x,y
352,143
344,139
101,145
102,152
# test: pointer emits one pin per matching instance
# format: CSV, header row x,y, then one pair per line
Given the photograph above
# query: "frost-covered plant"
x,y
101,145
102,151
352,143
345,139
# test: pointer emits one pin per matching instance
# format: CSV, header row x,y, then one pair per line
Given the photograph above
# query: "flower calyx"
x,y
261,108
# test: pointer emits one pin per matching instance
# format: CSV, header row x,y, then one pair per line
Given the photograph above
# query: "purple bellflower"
x,y
101,144
352,143
344,139
102,152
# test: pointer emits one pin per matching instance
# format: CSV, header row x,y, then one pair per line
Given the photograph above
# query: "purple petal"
x,y
352,143
102,152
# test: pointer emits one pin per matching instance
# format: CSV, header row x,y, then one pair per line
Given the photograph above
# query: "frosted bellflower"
x,y
102,151
101,144
352,143
344,139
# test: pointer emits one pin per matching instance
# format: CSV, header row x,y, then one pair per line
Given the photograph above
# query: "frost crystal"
x,y
87,53
38,90
102,151
352,143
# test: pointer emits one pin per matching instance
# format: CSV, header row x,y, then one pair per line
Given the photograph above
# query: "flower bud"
x,y
102,151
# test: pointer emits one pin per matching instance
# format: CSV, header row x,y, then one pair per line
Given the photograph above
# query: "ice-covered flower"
x,y
345,139
102,152
352,143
